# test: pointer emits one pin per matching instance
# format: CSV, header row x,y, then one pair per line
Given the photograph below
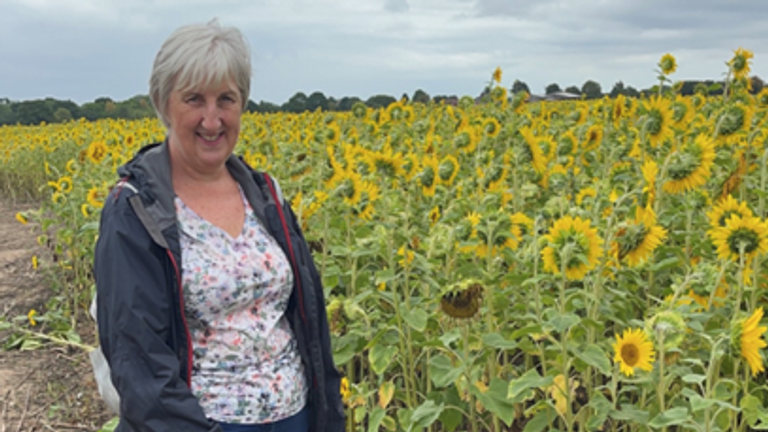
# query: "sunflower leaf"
x,y
594,356
529,380
563,322
416,318
442,371
674,416
496,340
426,414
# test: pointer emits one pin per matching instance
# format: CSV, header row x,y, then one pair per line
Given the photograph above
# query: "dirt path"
x,y
51,388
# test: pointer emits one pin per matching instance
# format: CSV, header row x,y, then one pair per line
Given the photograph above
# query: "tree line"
x,y
52,110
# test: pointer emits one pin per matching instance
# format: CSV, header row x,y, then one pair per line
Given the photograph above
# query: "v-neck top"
x,y
246,365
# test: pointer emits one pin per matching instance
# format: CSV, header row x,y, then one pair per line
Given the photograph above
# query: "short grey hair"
x,y
199,55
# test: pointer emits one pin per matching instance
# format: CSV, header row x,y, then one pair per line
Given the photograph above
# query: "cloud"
x,y
396,5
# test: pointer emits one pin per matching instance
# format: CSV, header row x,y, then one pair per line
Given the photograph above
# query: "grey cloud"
x,y
396,5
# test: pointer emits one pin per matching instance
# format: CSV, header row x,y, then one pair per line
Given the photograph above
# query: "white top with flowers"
x,y
246,365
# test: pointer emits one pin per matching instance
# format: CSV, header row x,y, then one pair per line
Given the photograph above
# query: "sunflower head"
x,y
740,63
747,340
497,75
671,324
747,235
463,299
572,246
668,64
633,350
733,118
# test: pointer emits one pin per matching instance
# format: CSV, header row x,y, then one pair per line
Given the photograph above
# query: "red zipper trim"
x,y
290,247
183,319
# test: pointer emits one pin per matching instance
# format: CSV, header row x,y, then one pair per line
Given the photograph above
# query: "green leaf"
x,y
540,421
496,340
562,322
404,418
380,356
529,380
426,414
385,275
442,371
602,407
374,420
694,378
674,416
594,356
751,407
495,400
698,403
630,413
416,318
665,264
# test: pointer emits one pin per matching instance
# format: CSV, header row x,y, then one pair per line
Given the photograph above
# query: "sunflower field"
x,y
498,266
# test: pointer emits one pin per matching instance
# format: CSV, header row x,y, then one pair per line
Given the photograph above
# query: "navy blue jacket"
x,y
142,328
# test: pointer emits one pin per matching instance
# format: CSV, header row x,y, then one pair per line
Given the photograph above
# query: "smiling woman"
x,y
207,320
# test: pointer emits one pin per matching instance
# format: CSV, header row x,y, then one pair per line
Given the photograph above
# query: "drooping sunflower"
x,y
491,126
462,300
619,109
691,165
95,197
732,121
659,120
668,64
568,144
573,240
65,184
497,75
633,350
749,233
740,63
636,241
682,112
747,339
448,169
350,187
369,194
533,150
434,215
429,177
725,209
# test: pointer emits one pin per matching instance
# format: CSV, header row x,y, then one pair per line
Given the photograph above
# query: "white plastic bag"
x,y
102,372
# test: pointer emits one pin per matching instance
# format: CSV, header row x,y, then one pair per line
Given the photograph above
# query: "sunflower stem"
x,y
468,376
661,387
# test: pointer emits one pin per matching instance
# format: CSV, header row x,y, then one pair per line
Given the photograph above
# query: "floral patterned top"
x,y
246,365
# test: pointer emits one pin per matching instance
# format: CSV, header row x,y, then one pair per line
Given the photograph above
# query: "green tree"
x,y
317,100
420,96
618,89
592,89
62,115
573,90
552,88
519,86
296,104
346,103
380,101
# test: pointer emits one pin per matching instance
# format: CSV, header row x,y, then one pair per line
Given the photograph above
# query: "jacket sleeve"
x,y
134,311
335,413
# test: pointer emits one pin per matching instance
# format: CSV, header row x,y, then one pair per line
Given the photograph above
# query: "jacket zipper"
x,y
183,318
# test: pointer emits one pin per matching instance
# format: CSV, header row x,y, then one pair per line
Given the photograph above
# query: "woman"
x,y
211,312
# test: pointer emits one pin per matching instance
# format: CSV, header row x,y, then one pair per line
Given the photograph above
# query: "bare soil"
x,y
50,388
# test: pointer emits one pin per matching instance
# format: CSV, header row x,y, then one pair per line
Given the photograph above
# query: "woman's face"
x,y
204,126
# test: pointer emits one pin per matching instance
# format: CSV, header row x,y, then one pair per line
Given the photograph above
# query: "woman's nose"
x,y
211,117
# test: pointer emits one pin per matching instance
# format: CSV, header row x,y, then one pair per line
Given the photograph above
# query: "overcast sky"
x,y
84,49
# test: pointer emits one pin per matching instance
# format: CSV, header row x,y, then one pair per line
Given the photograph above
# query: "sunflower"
x,y
568,144
762,97
734,118
386,161
369,194
65,184
636,241
572,239
682,112
619,109
593,137
22,218
406,256
344,390
448,169
658,121
497,75
584,194
462,300
690,166
434,215
429,177
491,126
349,187
727,208
739,64
96,152
668,64
95,197
466,139
633,350
533,151
749,233
747,339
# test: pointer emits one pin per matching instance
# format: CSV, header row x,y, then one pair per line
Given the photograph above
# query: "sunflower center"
x,y
745,237
630,354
